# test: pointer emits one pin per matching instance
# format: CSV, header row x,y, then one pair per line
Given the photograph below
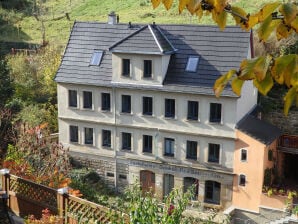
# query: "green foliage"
x,y
267,177
6,84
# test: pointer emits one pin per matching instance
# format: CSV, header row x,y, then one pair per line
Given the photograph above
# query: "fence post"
x,y
5,179
61,199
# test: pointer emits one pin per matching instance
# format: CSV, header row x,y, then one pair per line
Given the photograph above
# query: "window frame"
x,y
192,110
147,143
212,200
215,115
147,72
96,57
86,140
106,138
126,109
126,141
189,145
105,102
125,69
172,108
86,103
171,150
212,158
147,105
72,97
242,180
241,155
192,68
76,135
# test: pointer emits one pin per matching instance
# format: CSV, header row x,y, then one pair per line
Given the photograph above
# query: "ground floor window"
x,y
212,192
191,182
168,184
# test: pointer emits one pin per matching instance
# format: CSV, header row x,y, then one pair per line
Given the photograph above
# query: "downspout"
x,y
115,136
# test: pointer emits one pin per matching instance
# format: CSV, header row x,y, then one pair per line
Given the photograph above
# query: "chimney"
x,y
113,18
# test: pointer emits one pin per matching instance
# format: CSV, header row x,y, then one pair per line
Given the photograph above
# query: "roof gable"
x,y
147,40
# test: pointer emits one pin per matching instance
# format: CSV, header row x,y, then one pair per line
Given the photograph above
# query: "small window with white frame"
x,y
243,156
192,64
242,180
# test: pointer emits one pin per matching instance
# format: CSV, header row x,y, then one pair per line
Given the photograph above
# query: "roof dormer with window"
x,y
142,57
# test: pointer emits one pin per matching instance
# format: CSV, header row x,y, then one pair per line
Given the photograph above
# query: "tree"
x,y
276,18
6,84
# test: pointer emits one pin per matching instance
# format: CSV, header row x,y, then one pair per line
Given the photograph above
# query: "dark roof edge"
x,y
174,49
142,52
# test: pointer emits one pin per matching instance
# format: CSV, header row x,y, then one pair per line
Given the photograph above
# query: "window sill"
x,y
215,123
147,153
193,120
106,111
88,109
169,156
126,113
107,147
126,150
147,78
148,115
170,118
193,160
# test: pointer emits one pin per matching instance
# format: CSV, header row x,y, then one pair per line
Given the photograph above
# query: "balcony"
x,y
288,144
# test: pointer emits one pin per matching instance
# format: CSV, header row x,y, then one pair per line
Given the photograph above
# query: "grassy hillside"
x,y
18,26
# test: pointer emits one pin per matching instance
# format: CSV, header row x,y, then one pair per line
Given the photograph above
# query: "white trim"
x,y
160,48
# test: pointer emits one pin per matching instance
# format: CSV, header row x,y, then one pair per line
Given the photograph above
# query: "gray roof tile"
x,y
219,51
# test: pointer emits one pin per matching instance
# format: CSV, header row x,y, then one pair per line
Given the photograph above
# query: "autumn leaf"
x,y
238,11
222,81
192,6
219,5
267,27
167,3
155,3
282,31
294,24
289,11
265,85
199,12
182,5
267,10
290,97
252,21
279,69
237,85
220,19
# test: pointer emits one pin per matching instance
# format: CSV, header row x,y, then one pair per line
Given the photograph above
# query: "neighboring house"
x,y
136,103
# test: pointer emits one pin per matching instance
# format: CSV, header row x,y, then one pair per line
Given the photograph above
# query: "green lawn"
x,y
18,27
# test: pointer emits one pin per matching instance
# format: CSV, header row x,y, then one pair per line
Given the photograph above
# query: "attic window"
x,y
96,58
192,64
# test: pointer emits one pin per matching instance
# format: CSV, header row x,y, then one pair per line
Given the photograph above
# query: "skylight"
x,y
96,58
192,64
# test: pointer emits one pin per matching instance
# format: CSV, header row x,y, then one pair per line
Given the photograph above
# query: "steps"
x,y
291,219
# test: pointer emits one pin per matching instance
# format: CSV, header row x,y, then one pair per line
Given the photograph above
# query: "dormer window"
x,y
96,58
126,67
192,64
147,68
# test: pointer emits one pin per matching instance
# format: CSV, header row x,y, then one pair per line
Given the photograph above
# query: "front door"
x,y
147,181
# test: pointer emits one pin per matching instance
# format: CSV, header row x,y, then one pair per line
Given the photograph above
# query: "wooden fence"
x,y
28,198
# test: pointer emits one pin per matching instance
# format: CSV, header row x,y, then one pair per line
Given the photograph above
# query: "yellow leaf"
x,y
182,5
237,85
155,3
289,11
193,5
167,3
238,11
252,21
267,27
267,10
246,72
290,70
280,66
222,81
220,18
282,31
200,11
294,24
219,5
294,79
265,85
289,99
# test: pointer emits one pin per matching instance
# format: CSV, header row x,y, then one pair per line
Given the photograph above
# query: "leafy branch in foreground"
x,y
275,18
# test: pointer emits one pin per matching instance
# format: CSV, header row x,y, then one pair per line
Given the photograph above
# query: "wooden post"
x,y
61,201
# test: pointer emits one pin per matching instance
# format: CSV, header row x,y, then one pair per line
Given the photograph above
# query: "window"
x,y
105,101
87,100
170,108
89,136
192,64
126,141
109,174
189,182
122,176
212,192
270,155
215,112
96,57
191,150
168,184
193,110
242,180
243,155
106,138
126,104
147,68
147,143
74,133
126,67
213,153
72,98
147,105
169,147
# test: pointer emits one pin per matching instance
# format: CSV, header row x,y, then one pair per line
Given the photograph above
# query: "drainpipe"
x,y
115,135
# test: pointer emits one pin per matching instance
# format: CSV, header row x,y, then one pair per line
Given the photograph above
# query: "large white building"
x,y
136,103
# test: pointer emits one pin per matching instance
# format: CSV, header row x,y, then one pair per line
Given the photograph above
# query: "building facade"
x,y
136,103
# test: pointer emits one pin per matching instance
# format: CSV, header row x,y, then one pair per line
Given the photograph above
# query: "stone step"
x,y
291,219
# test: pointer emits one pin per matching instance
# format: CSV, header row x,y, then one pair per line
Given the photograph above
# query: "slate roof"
x,y
219,51
259,129
147,40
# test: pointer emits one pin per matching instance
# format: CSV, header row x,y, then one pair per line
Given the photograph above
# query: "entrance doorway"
x,y
147,181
